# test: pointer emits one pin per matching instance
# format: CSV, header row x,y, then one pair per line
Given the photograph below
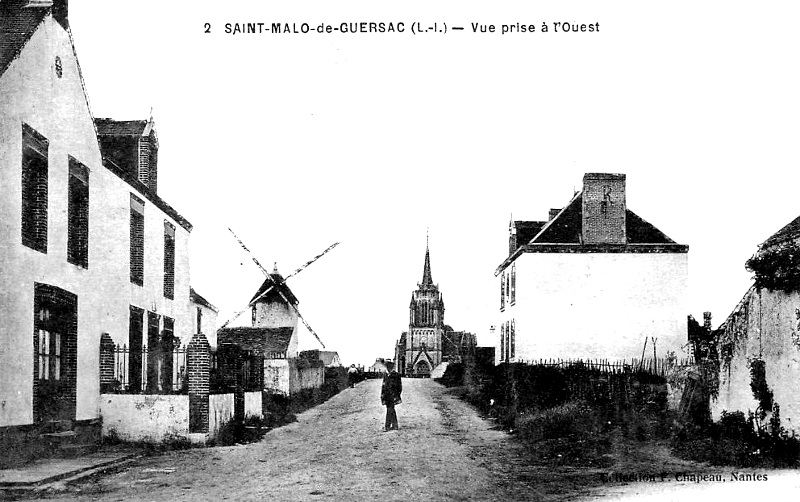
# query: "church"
x,y
428,341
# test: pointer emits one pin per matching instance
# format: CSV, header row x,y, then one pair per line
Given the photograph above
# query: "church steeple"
x,y
427,279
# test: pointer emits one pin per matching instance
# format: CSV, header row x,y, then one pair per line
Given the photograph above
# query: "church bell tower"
x,y
426,325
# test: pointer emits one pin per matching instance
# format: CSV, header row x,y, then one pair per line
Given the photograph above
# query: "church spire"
x,y
427,280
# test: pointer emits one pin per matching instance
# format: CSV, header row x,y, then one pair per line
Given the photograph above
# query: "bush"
x,y
453,375
574,418
738,441
232,432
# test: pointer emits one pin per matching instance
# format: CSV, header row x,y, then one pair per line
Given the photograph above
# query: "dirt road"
x,y
443,451
338,450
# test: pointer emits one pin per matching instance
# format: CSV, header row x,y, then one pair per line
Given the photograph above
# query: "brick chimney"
x,y
148,156
604,208
512,237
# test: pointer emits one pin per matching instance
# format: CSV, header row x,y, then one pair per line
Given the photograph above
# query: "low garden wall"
x,y
253,404
151,418
220,411
290,376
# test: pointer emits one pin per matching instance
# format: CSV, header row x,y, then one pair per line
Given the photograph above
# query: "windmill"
x,y
275,282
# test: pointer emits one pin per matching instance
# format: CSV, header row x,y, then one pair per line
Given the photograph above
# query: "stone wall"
x,y
289,376
150,418
764,328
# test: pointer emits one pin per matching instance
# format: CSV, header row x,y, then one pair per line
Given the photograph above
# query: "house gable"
x,y
17,24
566,231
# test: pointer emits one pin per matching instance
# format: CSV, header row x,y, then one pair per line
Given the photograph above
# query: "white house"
x,y
594,281
88,247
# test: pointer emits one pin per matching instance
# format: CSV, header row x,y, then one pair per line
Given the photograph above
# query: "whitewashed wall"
x,y
302,377
220,411
150,418
253,404
276,376
770,333
597,305
57,108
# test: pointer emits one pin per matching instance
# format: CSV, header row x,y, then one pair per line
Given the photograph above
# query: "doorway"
x,y
55,342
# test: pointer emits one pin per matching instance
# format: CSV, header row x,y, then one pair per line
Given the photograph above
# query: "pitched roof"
x,y
17,25
328,356
264,340
148,194
564,234
196,298
279,288
111,127
567,227
527,230
789,232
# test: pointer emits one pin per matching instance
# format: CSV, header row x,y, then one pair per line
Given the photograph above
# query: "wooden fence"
x,y
659,367
549,382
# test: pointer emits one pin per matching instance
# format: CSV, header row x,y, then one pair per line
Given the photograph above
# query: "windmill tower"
x,y
275,308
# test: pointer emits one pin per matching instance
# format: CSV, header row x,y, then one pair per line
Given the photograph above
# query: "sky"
x,y
377,140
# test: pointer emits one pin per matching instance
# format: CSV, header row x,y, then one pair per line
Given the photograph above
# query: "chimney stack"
x,y
512,237
604,208
553,214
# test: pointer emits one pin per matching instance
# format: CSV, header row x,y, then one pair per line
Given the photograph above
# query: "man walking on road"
x,y
352,374
390,396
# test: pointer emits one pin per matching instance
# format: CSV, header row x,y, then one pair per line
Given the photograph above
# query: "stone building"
x,y
758,344
90,249
429,341
593,281
420,349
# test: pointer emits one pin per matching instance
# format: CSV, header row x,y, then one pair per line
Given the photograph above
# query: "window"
x,y
502,342
34,189
169,260
513,283
49,351
153,352
137,240
167,348
508,341
502,291
136,326
78,215
513,337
